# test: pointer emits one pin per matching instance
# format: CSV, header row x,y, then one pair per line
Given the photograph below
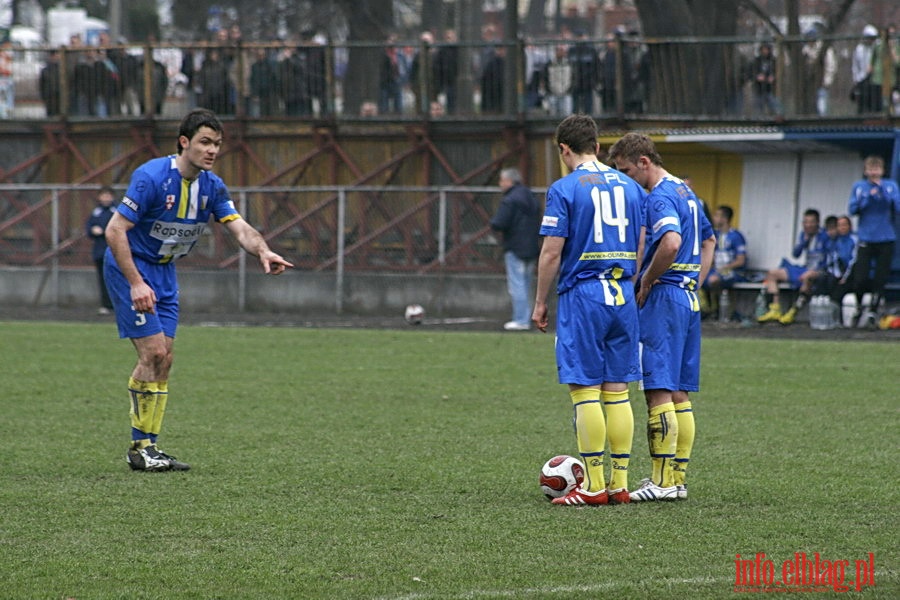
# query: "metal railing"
x,y
623,77
329,229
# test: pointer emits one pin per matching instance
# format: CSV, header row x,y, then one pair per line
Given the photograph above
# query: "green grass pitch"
x,y
402,465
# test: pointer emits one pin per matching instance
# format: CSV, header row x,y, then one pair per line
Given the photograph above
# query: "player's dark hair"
x,y
579,132
726,210
194,120
811,212
632,146
831,221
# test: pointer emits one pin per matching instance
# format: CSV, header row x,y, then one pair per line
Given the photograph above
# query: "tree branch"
x,y
763,15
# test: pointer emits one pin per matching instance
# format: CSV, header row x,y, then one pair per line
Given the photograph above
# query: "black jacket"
x,y
518,218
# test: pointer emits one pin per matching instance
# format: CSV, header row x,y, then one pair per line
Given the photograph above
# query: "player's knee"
x,y
156,358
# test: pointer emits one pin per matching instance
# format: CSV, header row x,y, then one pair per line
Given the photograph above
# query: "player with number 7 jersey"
x,y
593,230
680,246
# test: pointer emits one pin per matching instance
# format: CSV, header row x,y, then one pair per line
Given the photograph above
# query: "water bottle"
x,y
819,311
761,307
724,307
834,314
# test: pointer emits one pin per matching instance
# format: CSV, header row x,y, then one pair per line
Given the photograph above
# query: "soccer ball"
x,y
414,314
560,475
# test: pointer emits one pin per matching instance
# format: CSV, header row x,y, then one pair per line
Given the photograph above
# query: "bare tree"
x,y
716,66
675,68
369,21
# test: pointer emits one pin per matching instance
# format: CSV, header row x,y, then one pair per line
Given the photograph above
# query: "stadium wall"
x,y
295,292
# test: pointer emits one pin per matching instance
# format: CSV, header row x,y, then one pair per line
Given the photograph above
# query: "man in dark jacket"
x,y
518,220
50,84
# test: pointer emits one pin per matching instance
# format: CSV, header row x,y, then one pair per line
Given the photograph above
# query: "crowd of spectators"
x,y
572,72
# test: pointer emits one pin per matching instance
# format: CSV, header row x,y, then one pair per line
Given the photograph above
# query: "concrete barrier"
x,y
295,291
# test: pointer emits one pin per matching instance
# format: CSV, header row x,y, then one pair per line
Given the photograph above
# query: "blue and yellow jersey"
x,y
672,206
600,212
170,213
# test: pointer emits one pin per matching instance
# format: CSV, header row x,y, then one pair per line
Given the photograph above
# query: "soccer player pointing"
x,y
164,212
593,229
680,248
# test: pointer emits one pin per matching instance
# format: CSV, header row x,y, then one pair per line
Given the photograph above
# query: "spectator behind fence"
x,y
493,82
446,70
882,74
729,264
585,73
189,71
762,74
294,82
420,70
390,88
265,85
608,93
518,219
863,91
75,60
559,81
821,67
159,83
876,201
50,84
536,59
212,82
316,67
636,68
812,244
108,78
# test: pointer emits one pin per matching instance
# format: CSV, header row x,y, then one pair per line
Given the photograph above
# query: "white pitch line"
x,y
569,589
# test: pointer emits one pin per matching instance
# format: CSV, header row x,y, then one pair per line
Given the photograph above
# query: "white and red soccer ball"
x,y
560,475
414,314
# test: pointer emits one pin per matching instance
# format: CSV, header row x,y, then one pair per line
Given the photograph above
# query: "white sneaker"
x,y
147,459
516,326
649,491
681,491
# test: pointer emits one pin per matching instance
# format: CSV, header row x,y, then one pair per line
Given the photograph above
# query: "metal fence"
x,y
622,77
328,229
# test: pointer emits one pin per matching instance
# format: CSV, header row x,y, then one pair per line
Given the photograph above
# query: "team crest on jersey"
x,y
170,201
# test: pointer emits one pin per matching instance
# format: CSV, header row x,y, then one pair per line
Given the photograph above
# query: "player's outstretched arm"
x,y
253,242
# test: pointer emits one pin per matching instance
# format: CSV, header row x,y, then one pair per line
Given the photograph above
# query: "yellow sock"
x,y
620,431
590,431
162,396
662,434
684,414
143,406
